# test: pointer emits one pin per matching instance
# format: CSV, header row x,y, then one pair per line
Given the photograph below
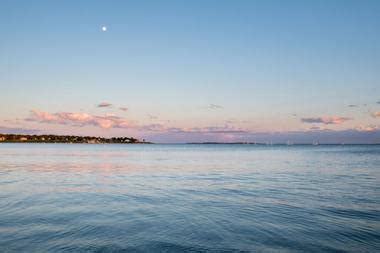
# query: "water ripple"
x,y
178,198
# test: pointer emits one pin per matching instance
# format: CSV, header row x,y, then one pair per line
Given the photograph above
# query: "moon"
x,y
104,28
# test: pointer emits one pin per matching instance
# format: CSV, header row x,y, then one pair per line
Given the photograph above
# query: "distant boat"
x,y
315,143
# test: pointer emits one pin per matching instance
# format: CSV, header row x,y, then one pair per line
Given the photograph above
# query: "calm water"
x,y
195,198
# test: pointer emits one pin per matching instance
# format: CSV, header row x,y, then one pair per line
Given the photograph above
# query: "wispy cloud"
x,y
317,128
353,105
326,120
17,130
152,117
124,109
369,128
215,107
368,134
104,104
376,114
236,121
378,102
78,119
212,107
151,128
209,130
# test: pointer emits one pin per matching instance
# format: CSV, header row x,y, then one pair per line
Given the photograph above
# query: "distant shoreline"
x,y
273,144
69,139
73,139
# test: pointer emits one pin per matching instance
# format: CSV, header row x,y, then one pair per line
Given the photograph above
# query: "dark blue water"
x,y
192,198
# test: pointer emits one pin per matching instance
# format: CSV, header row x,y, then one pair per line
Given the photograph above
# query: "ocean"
x,y
189,198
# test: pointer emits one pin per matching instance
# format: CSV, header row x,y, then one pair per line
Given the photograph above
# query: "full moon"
x,y
104,28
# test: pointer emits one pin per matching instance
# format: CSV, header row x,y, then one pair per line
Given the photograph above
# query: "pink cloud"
x,y
370,128
124,109
326,120
78,119
44,116
376,114
110,121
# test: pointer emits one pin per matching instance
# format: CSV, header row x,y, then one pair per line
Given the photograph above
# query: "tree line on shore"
x,y
66,139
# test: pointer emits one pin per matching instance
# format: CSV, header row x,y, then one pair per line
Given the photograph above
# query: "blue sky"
x,y
192,70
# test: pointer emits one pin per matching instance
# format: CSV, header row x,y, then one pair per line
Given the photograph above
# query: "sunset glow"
x,y
193,74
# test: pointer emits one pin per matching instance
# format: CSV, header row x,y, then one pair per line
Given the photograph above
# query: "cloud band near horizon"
x,y
327,120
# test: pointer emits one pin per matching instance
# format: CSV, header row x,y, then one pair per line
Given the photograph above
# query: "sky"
x,y
192,71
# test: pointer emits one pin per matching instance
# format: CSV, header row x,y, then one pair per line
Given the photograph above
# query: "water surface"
x,y
194,198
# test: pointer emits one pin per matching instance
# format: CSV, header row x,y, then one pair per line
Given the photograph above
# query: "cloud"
x,y
151,128
357,136
369,128
191,130
376,114
124,109
209,130
215,107
236,121
353,105
212,107
326,120
152,117
104,104
16,130
317,128
78,119
226,133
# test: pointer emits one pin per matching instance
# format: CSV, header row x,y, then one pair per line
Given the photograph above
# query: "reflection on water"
x,y
174,198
